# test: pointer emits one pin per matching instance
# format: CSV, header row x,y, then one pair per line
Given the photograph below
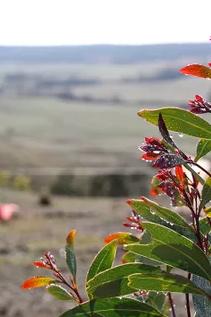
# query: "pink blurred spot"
x,y
7,211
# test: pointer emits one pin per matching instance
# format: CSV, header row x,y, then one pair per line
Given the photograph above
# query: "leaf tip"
x,y
111,237
140,113
71,237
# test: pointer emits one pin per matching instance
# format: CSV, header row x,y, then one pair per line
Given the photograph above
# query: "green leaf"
x,y
205,225
203,147
153,212
179,120
103,260
163,282
113,307
114,282
206,193
157,300
172,248
128,257
71,260
59,292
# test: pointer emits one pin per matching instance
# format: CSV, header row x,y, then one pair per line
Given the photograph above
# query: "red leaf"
x,y
37,281
197,70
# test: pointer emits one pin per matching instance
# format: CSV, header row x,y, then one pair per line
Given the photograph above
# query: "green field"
x,y
43,130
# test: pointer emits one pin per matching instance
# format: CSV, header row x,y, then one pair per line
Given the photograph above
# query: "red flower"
x,y
134,221
157,150
41,264
153,148
199,105
171,183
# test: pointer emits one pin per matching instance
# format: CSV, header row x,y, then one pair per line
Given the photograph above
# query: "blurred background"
x,y
73,76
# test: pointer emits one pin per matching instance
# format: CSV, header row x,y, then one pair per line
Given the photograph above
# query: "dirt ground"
x,y
38,229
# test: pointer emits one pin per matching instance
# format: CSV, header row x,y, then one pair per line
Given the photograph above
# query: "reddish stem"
x,y
171,304
188,300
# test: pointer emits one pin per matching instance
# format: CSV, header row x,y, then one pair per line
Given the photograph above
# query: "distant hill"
x,y
122,54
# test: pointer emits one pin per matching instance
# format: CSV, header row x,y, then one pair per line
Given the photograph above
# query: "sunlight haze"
x,y
73,22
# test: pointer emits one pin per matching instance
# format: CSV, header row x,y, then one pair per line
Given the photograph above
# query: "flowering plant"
x,y
145,281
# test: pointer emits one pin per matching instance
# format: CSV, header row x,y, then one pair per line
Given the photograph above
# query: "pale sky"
x,y
71,22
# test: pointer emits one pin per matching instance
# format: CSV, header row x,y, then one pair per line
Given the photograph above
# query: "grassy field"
x,y
45,131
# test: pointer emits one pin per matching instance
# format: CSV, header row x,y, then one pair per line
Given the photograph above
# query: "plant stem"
x,y
74,289
188,300
171,304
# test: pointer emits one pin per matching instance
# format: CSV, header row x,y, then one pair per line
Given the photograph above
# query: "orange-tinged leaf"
x,y
121,237
37,281
71,237
197,70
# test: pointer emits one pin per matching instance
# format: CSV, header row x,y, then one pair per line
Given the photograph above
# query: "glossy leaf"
x,y
114,282
197,70
163,282
59,292
153,212
121,238
206,193
172,248
37,281
203,148
103,260
117,281
113,307
179,120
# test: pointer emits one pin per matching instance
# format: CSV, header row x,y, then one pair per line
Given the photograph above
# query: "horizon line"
x,y
102,44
